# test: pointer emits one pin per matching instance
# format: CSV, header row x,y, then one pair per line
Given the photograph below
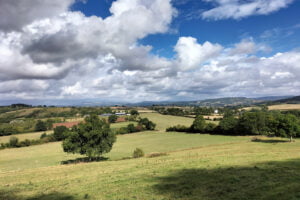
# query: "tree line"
x,y
247,123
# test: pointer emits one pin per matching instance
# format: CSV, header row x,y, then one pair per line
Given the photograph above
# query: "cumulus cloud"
x,y
66,54
237,9
17,13
191,54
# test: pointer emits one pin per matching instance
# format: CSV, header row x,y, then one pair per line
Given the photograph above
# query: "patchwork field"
x,y
194,167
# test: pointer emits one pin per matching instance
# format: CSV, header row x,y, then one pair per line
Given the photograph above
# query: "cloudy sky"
x,y
148,50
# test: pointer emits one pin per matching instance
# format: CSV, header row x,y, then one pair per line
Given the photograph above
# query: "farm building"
x,y
66,124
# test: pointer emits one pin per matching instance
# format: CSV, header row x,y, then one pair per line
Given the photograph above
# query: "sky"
x,y
142,50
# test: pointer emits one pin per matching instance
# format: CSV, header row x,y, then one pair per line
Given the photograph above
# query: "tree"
x,y
134,112
286,126
131,128
147,124
228,125
92,138
199,124
112,118
40,126
60,133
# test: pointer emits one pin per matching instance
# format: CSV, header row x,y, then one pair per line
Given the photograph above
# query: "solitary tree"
x,y
92,138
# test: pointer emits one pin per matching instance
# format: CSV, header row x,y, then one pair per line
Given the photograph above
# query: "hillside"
x,y
292,100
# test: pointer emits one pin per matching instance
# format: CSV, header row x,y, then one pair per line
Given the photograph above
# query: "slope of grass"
x,y
228,171
196,167
165,121
52,154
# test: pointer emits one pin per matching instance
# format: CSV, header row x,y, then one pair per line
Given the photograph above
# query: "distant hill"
x,y
292,100
273,98
219,102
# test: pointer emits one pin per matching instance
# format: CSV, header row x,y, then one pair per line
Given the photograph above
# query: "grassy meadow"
x,y
195,166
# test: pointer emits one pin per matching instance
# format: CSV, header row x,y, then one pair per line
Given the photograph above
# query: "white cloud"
x,y
191,54
238,9
69,55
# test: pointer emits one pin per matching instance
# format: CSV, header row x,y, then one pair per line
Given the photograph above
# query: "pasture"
x,y
238,170
194,166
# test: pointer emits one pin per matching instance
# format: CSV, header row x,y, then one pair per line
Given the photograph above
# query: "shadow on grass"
x,y
11,195
269,141
83,160
269,181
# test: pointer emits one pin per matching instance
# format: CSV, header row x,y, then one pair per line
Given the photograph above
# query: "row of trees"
x,y
248,123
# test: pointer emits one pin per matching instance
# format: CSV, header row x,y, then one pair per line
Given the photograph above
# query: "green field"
x,y
196,167
165,121
24,136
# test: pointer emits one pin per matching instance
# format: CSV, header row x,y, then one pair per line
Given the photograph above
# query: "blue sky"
x,y
283,25
140,50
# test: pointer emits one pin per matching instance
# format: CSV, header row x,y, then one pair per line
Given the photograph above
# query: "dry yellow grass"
x,y
285,107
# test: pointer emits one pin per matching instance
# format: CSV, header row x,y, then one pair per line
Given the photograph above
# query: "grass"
x,y
165,121
285,107
51,154
194,167
243,170
24,136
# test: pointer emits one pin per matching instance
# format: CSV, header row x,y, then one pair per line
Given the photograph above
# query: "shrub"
x,y
156,154
178,128
13,141
43,135
137,153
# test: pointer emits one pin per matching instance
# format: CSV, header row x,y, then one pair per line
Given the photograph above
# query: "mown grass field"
x,y
196,167
285,107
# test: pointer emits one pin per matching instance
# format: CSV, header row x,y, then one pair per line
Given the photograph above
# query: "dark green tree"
x,y
112,118
228,124
286,125
131,128
146,124
199,124
134,112
92,138
60,132
40,126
